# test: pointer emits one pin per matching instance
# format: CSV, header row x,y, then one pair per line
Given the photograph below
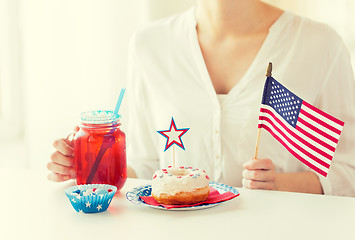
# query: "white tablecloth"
x,y
31,207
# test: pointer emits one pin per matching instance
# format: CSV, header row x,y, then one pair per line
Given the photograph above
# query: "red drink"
x,y
100,150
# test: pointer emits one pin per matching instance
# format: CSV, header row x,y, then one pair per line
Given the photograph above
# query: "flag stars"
x,y
284,102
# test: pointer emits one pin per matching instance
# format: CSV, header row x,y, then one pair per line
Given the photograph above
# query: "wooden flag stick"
x,y
173,156
257,144
268,74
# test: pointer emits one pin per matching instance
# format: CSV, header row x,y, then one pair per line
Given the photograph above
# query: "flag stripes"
x,y
324,115
327,144
318,132
294,138
322,126
291,136
289,148
305,147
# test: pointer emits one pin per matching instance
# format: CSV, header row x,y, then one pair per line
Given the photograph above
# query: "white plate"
x,y
145,190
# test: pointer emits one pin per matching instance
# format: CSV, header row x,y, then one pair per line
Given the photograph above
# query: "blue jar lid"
x,y
99,117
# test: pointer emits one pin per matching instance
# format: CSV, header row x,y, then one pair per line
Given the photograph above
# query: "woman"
x,y
206,68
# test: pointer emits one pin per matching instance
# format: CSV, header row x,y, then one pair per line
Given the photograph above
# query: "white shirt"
x,y
168,78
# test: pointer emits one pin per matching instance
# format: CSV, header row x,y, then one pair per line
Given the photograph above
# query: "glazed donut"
x,y
176,186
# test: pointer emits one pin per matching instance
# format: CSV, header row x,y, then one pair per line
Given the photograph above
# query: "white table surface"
x,y
31,207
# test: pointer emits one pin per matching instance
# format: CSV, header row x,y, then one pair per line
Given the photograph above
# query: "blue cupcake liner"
x,y
83,199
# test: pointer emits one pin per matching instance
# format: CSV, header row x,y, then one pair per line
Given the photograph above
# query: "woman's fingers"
x,y
61,159
63,147
259,164
251,184
55,177
259,175
60,169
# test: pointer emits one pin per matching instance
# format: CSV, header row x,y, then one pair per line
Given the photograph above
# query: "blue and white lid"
x,y
99,117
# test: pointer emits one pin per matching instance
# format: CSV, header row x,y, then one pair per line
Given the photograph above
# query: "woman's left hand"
x,y
259,174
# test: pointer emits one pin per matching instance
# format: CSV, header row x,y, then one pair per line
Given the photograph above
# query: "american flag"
x,y
308,133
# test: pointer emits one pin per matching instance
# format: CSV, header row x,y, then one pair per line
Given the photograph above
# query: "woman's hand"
x,y
259,174
62,165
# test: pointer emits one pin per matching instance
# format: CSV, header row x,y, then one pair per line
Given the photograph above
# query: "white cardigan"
x,y
168,78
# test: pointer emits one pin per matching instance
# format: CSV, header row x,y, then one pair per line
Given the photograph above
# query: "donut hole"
x,y
179,172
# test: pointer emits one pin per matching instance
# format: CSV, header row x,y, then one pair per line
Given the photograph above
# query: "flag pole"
x,y
268,74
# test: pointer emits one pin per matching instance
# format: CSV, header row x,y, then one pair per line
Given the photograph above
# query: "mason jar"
x,y
100,149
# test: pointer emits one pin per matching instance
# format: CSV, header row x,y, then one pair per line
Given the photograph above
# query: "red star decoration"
x,y
173,135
